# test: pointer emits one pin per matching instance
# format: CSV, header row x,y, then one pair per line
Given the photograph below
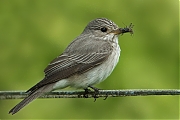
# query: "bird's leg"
x,y
86,92
96,92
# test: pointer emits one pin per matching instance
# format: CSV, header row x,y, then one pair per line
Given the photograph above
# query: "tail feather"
x,y
35,94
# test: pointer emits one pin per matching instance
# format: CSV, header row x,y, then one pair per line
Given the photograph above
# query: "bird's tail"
x,y
35,94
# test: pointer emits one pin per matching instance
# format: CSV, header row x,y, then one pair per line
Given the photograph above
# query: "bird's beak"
x,y
116,32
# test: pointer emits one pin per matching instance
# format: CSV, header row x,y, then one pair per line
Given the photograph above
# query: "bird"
x,y
88,60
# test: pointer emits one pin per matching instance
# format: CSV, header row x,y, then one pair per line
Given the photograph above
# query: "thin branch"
x,y
91,94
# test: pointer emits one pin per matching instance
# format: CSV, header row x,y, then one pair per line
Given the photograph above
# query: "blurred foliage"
x,y
33,32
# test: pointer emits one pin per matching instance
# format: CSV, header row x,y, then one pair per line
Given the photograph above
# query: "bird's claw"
x,y
96,92
95,95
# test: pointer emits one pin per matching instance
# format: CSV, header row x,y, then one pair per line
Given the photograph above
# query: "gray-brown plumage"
x,y
88,60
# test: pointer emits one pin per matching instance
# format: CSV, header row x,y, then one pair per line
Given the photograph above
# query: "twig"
x,y
102,93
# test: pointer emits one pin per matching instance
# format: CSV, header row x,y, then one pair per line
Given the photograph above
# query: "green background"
x,y
33,32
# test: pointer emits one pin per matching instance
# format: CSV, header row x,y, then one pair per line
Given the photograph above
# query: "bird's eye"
x,y
103,29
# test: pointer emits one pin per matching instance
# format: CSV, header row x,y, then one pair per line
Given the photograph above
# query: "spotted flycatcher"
x,y
88,60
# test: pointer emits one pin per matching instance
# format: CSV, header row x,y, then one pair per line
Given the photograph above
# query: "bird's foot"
x,y
95,95
96,92
86,92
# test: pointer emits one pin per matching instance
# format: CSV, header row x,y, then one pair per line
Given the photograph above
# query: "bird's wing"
x,y
78,58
